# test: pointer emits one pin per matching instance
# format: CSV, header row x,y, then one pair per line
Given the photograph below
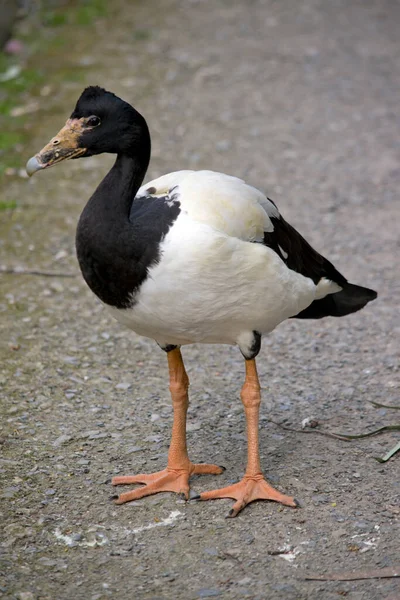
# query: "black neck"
x,y
117,239
114,196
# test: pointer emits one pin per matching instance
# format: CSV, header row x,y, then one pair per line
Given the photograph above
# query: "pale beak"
x,y
63,146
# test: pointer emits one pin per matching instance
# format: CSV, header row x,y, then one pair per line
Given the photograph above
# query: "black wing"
x,y
299,256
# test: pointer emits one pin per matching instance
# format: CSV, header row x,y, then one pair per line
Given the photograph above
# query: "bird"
x,y
191,257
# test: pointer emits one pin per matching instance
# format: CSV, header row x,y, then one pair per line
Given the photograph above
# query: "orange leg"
x,y
175,478
253,486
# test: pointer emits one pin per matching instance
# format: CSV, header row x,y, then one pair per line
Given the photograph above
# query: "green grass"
x,y
56,27
6,105
86,14
27,79
8,139
8,205
83,14
52,18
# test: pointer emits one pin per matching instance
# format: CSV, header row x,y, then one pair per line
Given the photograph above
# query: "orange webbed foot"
x,y
247,490
167,480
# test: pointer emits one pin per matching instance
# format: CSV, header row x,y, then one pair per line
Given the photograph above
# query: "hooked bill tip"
x,y
33,165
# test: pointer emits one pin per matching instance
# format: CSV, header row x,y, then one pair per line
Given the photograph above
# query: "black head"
x,y
109,123
101,122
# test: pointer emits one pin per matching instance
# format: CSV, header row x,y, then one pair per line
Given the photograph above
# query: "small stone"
x,y
61,254
26,596
208,593
10,492
211,551
363,525
123,386
56,286
193,426
99,436
45,561
153,438
134,449
319,498
63,439
89,434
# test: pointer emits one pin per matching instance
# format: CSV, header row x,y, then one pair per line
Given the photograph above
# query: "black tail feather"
x,y
349,300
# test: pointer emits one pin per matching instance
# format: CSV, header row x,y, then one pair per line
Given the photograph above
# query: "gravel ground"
x,y
301,100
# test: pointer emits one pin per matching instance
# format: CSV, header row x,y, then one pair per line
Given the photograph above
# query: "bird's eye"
x,y
93,121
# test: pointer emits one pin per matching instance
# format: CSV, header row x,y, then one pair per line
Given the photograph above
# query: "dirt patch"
x,y
303,104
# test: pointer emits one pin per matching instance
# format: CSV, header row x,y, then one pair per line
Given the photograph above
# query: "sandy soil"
x,y
301,99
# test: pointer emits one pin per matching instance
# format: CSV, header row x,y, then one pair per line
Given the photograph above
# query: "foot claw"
x,y
194,496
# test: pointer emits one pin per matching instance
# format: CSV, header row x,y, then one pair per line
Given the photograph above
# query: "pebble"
x,y
320,498
123,386
211,551
362,525
98,436
208,593
153,438
193,426
134,449
63,439
60,254
56,286
25,596
47,562
10,492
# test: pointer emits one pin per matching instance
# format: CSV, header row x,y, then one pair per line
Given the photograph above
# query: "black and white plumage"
x,y
193,256
220,244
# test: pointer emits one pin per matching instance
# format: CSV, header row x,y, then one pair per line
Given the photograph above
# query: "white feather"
x,y
164,183
222,201
326,286
213,288
212,284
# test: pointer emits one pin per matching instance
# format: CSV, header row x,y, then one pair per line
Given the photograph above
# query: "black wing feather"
x,y
299,256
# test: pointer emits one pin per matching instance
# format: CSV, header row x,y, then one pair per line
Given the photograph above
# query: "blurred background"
x,y
302,100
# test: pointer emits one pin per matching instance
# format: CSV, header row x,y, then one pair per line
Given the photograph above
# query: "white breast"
x,y
210,287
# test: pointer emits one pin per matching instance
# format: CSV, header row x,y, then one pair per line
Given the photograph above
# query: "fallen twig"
x,y
23,271
340,436
391,453
384,573
327,433
384,405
